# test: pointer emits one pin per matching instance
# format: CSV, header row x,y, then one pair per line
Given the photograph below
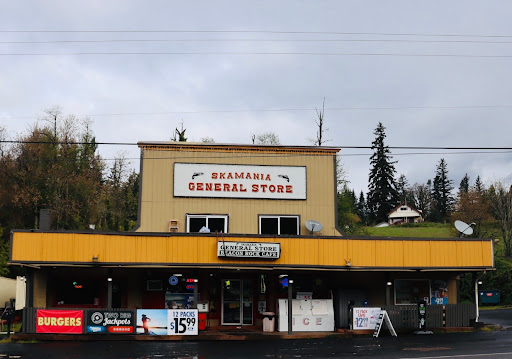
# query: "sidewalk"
x,y
213,334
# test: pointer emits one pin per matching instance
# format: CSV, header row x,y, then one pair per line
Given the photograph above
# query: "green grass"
x,y
426,230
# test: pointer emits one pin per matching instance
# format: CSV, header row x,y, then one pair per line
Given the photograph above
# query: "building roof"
x,y
235,147
405,204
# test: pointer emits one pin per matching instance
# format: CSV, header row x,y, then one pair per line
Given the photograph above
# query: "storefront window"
x,y
77,292
215,223
280,225
412,291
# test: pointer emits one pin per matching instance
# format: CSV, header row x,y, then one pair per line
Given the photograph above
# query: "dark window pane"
x,y
216,224
269,225
289,225
76,292
196,223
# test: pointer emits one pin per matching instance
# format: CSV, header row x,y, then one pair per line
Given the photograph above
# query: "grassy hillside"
x,y
427,230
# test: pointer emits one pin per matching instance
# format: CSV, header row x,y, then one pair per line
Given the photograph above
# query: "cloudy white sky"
x,y
435,73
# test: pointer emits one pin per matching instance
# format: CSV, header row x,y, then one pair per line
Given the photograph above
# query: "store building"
x,y
233,223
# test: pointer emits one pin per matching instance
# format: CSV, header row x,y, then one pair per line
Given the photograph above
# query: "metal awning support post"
x,y
196,284
109,292
477,311
290,295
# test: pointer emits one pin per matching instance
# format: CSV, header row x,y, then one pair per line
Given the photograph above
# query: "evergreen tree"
x,y
464,184
442,198
382,195
361,209
348,220
479,186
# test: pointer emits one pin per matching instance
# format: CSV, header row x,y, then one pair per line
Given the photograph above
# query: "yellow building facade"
x,y
232,223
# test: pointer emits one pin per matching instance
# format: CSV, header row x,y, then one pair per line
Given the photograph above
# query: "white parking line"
x,y
460,356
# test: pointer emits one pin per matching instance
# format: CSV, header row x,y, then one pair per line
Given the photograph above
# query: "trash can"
x,y
268,321
202,321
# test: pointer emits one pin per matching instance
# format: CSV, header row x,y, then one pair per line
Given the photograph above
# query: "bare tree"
x,y
207,140
320,140
266,138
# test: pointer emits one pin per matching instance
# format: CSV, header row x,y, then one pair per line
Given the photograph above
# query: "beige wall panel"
x,y
40,281
159,206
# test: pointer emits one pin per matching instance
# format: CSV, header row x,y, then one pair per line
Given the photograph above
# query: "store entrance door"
x,y
236,302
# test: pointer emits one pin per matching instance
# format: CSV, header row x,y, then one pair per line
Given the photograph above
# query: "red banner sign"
x,y
59,321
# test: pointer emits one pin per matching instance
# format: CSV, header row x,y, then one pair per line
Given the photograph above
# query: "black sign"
x,y
422,315
110,322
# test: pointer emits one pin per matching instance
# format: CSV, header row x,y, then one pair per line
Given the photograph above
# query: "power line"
x,y
253,40
260,32
277,110
341,147
254,54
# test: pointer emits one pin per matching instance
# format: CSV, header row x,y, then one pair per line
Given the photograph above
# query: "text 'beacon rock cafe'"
x,y
229,229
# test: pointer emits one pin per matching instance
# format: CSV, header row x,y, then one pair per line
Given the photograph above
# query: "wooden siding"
x,y
131,249
158,206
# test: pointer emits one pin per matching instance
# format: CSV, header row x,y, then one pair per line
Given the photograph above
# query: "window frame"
x,y
279,216
188,216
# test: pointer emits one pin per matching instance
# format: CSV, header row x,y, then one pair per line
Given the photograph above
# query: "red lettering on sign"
x,y
305,321
191,186
226,187
217,187
200,186
255,188
242,189
280,188
272,188
264,188
289,189
222,175
214,175
267,178
209,186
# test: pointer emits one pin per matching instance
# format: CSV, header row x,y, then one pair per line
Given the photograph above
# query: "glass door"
x,y
236,302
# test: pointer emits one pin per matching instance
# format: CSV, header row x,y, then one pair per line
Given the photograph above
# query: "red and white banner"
x,y
239,181
59,321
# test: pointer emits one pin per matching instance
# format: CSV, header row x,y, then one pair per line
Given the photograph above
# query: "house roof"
x,y
405,204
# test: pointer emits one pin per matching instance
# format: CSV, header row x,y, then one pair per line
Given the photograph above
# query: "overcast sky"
x,y
435,73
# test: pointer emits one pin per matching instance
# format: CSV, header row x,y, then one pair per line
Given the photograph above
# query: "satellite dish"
x,y
314,226
464,228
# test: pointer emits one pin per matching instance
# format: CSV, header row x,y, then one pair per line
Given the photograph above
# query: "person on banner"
x,y
145,323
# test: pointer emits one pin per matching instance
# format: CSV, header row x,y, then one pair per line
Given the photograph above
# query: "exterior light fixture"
x,y
348,263
480,282
389,283
95,258
109,279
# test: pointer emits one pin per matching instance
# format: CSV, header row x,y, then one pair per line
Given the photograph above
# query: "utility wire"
x,y
253,40
259,32
156,144
254,53
277,110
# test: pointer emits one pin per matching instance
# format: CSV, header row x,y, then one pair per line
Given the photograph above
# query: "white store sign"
x,y
239,181
183,322
365,318
249,250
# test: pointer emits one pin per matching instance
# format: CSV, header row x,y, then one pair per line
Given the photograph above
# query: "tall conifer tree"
x,y
382,195
442,193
